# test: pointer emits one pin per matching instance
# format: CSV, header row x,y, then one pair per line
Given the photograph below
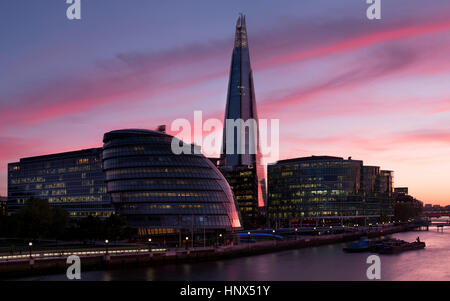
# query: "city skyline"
x,y
82,79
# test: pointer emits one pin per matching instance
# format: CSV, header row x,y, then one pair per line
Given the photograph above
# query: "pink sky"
x,y
378,92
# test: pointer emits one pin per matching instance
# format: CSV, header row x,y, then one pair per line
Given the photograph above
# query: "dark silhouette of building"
x,y
405,206
72,180
324,189
3,206
401,190
240,159
163,194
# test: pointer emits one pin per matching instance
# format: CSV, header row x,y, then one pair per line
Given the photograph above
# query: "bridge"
x,y
435,213
427,223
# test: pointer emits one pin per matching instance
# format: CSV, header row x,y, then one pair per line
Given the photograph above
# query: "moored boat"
x,y
359,247
385,246
401,247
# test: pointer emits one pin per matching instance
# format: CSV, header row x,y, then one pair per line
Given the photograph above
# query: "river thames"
x,y
318,263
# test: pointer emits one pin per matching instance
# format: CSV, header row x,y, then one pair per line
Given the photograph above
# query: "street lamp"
x,y
30,244
248,236
187,242
219,239
106,243
149,244
296,233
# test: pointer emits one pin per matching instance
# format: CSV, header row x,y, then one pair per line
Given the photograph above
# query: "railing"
x,y
78,252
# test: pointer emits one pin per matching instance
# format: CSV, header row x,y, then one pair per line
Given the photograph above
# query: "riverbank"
x,y
99,260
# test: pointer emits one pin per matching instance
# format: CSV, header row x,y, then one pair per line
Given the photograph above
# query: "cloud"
x,y
374,143
135,75
361,41
379,63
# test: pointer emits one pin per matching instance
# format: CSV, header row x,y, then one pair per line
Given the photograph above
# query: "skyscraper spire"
x,y
241,32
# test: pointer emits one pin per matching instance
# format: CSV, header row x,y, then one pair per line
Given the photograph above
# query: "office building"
x,y
72,180
326,190
405,205
386,183
401,190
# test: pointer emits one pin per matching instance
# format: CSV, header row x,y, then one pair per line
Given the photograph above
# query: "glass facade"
x,y
370,179
386,184
326,189
72,180
243,183
160,192
241,105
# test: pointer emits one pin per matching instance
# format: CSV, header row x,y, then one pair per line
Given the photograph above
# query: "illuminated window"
x,y
83,161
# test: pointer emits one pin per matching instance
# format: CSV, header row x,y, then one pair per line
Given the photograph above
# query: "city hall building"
x,y
328,190
164,194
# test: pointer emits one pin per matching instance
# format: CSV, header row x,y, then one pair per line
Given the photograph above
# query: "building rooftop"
x,y
313,158
59,155
126,132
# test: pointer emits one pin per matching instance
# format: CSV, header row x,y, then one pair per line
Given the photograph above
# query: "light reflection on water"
x,y
319,263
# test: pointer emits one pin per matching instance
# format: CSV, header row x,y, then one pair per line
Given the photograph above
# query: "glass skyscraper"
x,y
71,180
242,166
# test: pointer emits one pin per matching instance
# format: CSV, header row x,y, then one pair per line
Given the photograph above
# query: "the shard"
x,y
243,169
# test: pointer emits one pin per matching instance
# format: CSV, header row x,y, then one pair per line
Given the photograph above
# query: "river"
x,y
318,263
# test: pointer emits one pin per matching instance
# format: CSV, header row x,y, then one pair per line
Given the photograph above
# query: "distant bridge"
x,y
427,223
435,213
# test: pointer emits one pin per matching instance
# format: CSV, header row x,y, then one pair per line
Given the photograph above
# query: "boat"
x,y
401,247
384,246
358,247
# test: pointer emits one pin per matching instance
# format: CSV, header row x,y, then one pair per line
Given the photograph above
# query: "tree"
x,y
37,219
114,227
58,224
90,227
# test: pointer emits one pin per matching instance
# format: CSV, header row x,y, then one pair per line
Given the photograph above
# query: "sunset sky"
x,y
341,85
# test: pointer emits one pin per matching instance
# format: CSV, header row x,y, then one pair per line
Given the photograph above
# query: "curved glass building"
x,y
161,193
